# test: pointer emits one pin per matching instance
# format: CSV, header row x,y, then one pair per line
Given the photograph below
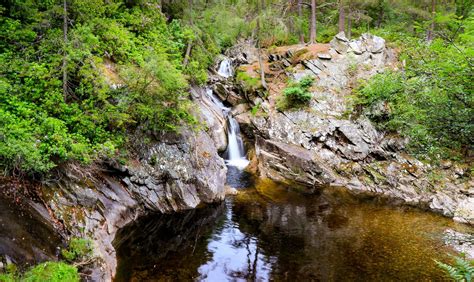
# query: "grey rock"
x,y
289,162
286,63
240,109
464,210
309,65
352,152
356,47
461,242
324,56
244,52
341,36
299,75
186,172
341,47
373,43
318,64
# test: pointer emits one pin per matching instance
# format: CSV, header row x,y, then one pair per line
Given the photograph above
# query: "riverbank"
x,y
324,142
270,231
315,150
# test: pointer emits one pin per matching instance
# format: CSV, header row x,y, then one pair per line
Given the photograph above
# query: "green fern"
x,y
461,271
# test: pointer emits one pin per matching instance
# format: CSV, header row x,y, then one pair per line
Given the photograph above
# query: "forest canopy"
x,y
77,76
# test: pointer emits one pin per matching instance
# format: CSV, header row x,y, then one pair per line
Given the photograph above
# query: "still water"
x,y
269,232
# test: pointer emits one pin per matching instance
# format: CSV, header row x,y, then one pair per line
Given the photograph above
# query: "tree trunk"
x,y
430,32
65,51
312,31
342,16
380,14
349,27
190,43
349,22
300,19
188,53
259,53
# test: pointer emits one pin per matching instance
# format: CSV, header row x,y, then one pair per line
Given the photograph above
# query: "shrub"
x,y
7,277
79,248
249,83
297,93
48,271
431,102
437,121
52,272
254,109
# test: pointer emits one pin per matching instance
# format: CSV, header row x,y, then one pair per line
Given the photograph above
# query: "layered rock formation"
x,y
179,172
323,145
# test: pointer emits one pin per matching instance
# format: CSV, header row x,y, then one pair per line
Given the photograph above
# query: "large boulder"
x,y
244,52
282,162
340,43
227,93
372,43
366,43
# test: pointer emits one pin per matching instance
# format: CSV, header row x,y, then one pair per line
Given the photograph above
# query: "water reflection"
x,y
235,254
270,233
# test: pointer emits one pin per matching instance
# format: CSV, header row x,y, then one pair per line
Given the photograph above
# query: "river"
x,y
270,232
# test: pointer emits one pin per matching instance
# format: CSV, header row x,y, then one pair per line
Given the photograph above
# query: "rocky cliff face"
x,y
170,172
322,145
167,173
179,172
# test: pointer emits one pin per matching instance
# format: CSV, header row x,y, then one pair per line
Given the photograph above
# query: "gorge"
x,y
207,141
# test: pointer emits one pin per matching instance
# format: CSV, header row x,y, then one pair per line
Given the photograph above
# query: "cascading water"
x,y
235,152
225,110
225,68
235,149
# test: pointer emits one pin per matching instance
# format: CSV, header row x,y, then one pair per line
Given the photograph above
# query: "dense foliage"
x,y
78,75
431,101
122,64
48,271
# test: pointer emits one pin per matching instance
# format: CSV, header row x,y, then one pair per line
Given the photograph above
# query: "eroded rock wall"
x,y
178,172
324,145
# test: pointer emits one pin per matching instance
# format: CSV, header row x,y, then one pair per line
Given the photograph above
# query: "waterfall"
x,y
235,149
225,68
225,110
235,152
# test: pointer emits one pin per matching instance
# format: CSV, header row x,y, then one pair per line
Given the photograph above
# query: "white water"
x,y
235,152
235,149
225,110
225,68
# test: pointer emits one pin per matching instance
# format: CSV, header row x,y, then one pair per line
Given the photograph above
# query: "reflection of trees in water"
x,y
282,238
287,231
321,239
157,245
